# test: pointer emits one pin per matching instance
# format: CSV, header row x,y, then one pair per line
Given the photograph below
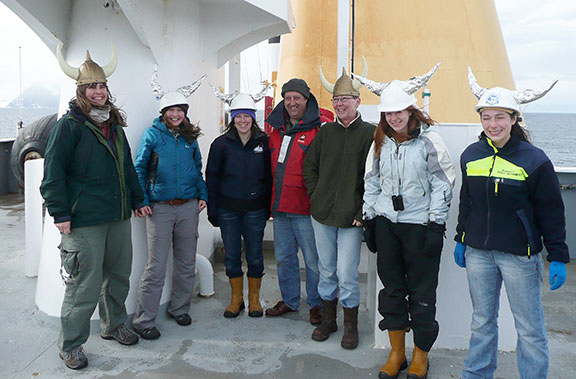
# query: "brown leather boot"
x,y
397,357
350,337
328,324
237,301
254,306
419,366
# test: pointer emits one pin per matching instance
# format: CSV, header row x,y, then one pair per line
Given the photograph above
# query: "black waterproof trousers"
x,y
410,278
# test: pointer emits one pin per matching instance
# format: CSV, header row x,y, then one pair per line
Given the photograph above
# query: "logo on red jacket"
x,y
302,138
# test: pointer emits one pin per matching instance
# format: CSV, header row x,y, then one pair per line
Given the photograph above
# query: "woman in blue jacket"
x,y
509,202
239,186
169,165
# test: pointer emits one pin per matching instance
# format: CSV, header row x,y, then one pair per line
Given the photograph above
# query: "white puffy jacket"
x,y
420,169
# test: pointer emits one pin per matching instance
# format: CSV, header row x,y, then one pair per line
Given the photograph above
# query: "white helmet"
x,y
243,101
397,95
393,98
498,97
172,98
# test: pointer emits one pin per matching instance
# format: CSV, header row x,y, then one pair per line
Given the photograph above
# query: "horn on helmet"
x,y
156,87
72,72
189,90
325,83
413,84
260,95
111,67
224,97
355,83
528,95
477,90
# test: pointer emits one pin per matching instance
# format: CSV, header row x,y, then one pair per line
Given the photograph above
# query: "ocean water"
x,y
9,118
555,133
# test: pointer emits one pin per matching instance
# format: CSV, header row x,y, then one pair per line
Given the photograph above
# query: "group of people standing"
x,y
322,184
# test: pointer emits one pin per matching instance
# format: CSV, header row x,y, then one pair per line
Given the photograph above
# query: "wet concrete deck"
x,y
215,347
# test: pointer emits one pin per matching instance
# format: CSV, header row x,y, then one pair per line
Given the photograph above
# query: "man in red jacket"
x,y
295,121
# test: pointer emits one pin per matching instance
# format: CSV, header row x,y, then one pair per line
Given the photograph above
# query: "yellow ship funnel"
x,y
401,39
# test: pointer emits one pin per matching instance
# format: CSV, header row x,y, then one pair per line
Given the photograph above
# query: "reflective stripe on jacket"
x,y
288,150
420,170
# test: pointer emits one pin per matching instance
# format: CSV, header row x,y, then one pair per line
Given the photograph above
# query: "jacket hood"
x,y
160,125
311,119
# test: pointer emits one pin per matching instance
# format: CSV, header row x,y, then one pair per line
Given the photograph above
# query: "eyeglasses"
x,y
341,99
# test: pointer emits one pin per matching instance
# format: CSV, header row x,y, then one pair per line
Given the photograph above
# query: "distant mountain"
x,y
36,97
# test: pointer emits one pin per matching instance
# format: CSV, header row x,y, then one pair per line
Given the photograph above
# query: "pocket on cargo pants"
x,y
69,266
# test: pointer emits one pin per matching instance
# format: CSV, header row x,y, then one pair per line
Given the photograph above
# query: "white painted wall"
x,y
187,38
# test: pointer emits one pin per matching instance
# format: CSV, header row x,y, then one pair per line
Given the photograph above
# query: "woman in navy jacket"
x,y
239,183
509,203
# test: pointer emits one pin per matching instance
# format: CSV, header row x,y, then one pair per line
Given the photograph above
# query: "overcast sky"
x,y
540,37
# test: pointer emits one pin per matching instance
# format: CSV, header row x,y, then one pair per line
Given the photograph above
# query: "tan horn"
x,y
355,83
72,72
325,83
111,67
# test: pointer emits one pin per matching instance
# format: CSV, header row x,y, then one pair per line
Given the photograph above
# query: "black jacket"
x,y
238,177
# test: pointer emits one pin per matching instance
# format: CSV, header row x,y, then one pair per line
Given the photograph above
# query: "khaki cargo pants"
x,y
96,265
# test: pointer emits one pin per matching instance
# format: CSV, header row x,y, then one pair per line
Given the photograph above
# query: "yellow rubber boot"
x,y
419,366
237,301
397,357
254,297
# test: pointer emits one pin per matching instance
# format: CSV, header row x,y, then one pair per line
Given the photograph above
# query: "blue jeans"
x,y
248,224
522,277
290,232
339,257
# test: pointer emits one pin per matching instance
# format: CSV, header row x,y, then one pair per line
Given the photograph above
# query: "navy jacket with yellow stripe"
x,y
510,200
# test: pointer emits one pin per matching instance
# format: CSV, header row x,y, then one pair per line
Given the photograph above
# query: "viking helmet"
x,y
503,98
176,97
89,71
344,85
240,100
397,95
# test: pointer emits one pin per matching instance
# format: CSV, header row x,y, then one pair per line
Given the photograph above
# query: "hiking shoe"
x,y
182,320
74,359
147,333
121,334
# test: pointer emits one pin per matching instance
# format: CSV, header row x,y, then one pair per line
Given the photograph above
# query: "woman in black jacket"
x,y
239,184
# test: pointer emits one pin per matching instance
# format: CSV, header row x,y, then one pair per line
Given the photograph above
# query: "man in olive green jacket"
x,y
334,174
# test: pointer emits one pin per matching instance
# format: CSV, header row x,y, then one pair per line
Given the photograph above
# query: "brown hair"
x,y
190,131
516,130
384,129
117,116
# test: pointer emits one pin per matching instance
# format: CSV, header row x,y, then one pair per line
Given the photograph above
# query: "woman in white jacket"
x,y
407,195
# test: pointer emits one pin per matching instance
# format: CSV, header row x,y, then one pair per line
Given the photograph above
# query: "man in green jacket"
x,y
334,174
90,187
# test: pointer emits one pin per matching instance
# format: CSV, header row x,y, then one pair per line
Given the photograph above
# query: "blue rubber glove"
x,y
557,274
459,257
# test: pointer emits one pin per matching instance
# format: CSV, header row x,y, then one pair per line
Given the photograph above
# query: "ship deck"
x,y
215,347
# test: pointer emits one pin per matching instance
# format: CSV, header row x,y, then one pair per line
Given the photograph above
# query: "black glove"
x,y
213,219
434,239
369,234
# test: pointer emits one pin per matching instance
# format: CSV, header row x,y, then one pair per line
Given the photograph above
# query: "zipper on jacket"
x,y
488,202
496,181
177,167
342,166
